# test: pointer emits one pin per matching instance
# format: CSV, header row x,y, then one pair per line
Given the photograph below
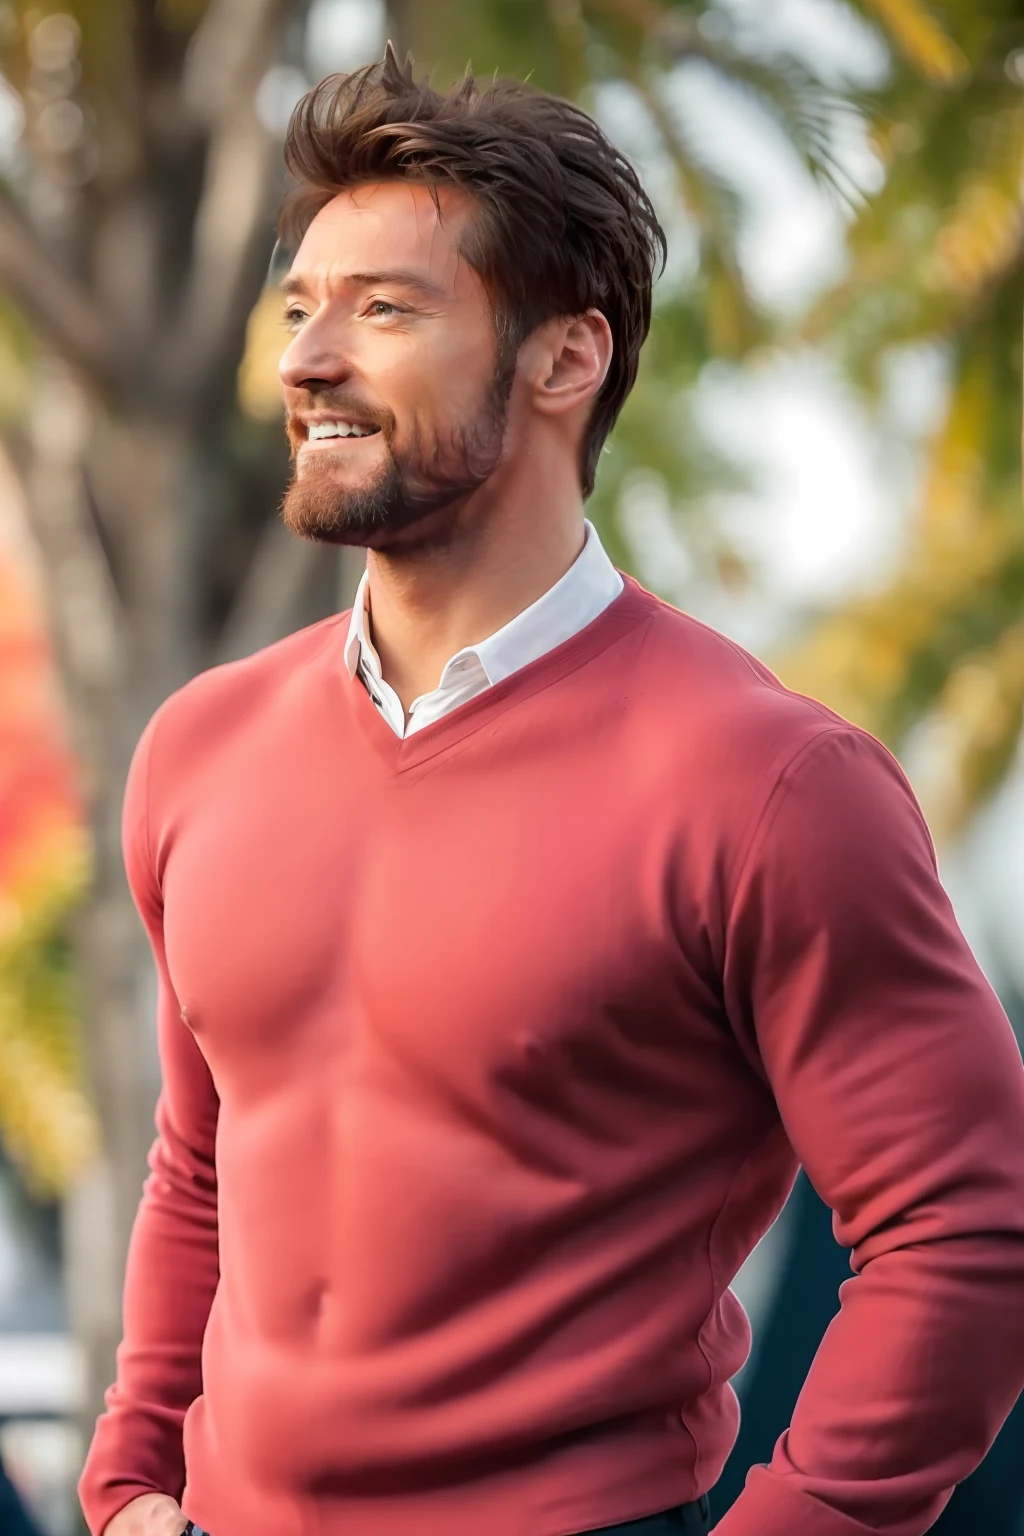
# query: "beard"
x,y
411,486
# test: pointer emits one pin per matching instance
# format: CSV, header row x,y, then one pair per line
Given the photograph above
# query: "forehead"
x,y
386,225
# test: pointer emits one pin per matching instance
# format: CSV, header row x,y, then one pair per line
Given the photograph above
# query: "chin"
x,y
326,510
435,530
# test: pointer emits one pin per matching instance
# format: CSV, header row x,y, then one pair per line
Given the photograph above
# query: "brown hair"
x,y
563,223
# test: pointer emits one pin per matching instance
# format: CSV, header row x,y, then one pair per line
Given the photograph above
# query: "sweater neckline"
x,y
398,753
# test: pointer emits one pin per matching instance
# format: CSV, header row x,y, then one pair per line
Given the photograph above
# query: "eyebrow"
x,y
299,288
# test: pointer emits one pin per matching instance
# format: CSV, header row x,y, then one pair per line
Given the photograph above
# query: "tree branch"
x,y
671,30
235,44
86,615
63,313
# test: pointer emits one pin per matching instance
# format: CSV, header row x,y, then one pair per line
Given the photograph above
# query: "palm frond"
x,y
981,236
976,727
940,252
806,109
921,39
944,635
733,320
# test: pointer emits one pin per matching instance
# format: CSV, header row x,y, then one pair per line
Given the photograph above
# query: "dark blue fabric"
x,y
684,1520
14,1518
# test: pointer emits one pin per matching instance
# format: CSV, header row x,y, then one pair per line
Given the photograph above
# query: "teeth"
x,y
323,429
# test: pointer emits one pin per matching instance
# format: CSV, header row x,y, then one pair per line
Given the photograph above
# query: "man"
x,y
517,937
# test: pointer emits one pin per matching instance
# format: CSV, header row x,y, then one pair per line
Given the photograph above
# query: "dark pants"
x,y
684,1520
14,1518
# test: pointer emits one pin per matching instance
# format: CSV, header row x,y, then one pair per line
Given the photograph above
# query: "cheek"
x,y
458,385
433,380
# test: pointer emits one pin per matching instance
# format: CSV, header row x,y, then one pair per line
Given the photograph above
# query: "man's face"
x,y
394,391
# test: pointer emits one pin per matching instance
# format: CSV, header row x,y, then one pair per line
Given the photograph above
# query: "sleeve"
x,y
172,1265
901,1089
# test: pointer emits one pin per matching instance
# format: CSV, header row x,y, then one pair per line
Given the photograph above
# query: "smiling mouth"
x,y
331,432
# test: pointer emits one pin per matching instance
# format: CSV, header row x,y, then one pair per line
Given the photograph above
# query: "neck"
x,y
503,551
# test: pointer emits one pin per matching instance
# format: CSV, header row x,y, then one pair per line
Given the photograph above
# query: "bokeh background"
x,y
821,457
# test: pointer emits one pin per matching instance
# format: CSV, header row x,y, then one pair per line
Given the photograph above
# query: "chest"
x,y
479,926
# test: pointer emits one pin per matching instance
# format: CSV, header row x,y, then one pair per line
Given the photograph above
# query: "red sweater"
x,y
488,1056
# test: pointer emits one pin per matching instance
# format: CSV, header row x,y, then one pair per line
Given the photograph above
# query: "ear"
x,y
571,361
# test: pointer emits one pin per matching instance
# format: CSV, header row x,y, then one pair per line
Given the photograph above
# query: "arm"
x,y
900,1085
172,1266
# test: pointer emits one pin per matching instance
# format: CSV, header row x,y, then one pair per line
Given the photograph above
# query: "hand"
x,y
151,1514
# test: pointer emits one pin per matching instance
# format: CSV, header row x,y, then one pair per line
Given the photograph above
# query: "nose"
x,y
314,358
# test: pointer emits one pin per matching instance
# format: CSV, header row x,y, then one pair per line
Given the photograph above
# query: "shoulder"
x,y
788,812
720,704
223,700
718,730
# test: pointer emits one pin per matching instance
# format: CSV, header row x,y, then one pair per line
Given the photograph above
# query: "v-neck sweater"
x,y
489,1054
573,602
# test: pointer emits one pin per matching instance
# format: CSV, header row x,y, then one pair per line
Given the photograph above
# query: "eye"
x,y
383,308
292,318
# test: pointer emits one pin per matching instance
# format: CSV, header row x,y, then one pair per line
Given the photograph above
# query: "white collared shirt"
x,y
584,592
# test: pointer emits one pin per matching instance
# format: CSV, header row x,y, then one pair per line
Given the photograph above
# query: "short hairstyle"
x,y
562,221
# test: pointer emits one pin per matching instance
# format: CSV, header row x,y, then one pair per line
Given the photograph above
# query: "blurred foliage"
x,y
921,39
46,1122
936,658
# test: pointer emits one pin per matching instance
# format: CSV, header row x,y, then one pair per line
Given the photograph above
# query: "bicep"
x,y
893,1065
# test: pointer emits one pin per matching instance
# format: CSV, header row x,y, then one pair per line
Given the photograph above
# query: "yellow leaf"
x,y
259,387
923,42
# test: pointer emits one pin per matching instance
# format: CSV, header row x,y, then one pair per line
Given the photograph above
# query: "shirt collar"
x,y
585,590
358,645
